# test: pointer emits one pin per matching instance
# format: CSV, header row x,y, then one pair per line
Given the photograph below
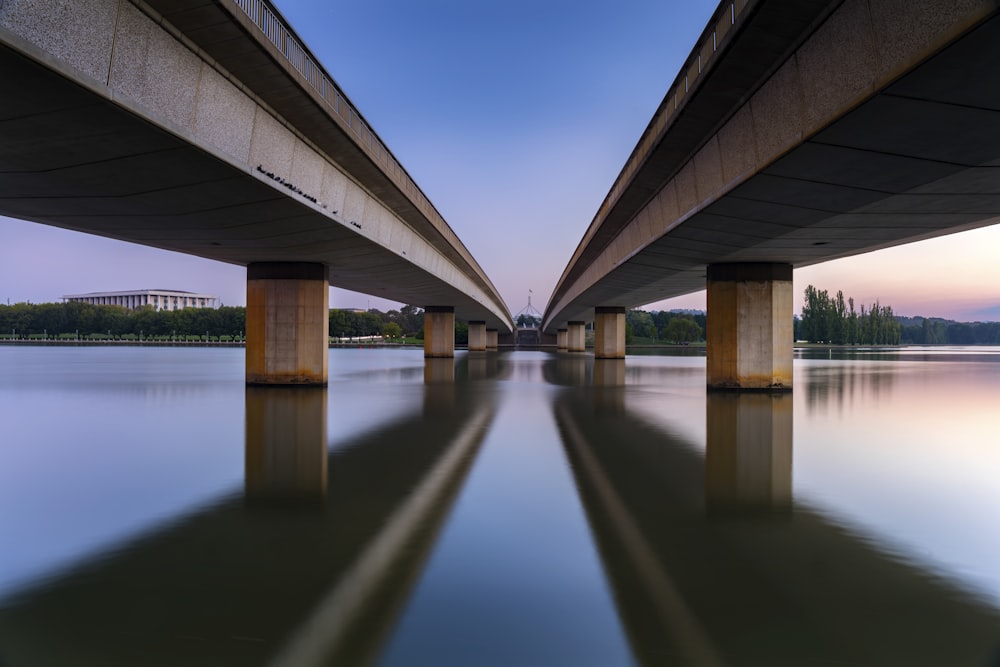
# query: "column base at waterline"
x,y
575,337
288,323
477,336
561,340
439,332
609,333
749,342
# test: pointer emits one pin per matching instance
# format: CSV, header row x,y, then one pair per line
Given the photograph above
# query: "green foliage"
x,y
528,321
833,320
682,330
68,320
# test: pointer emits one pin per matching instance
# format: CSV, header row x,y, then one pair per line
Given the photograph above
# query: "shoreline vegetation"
x,y
826,322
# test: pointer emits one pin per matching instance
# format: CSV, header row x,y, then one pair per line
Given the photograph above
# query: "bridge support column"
x,y
439,332
609,333
477,336
492,339
749,338
288,323
561,339
575,340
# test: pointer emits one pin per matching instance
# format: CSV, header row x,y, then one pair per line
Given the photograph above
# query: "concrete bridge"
x,y
798,131
207,127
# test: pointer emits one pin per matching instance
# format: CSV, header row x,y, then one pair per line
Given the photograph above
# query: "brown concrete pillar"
x,y
439,332
575,340
748,459
477,336
561,339
609,333
492,339
288,323
286,446
749,337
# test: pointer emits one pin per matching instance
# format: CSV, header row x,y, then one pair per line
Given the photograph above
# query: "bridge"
x,y
207,127
798,131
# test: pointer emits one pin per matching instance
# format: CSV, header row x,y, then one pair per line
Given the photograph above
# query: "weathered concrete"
x,y
749,338
492,339
286,444
748,457
439,332
561,339
575,337
477,336
288,323
609,333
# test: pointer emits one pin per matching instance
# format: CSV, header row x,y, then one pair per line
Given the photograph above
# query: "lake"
x,y
512,508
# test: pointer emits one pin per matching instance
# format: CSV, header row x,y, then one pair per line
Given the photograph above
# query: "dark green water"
x,y
503,509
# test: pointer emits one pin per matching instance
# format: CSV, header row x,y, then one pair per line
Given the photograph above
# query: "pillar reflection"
x,y
748,457
439,386
609,385
286,445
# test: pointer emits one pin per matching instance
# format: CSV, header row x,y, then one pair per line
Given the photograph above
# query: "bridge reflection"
x,y
712,563
310,565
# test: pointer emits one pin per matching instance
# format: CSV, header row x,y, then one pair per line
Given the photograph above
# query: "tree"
x,y
392,330
526,321
642,323
682,330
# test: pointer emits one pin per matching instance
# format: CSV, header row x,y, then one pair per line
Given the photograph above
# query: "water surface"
x,y
504,508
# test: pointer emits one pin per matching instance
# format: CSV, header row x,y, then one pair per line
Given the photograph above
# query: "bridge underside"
x,y
74,159
919,159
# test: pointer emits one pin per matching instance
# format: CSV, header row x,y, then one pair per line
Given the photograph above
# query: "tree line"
x,y
663,325
834,320
74,319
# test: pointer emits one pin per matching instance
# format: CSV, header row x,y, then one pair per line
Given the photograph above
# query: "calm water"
x,y
502,509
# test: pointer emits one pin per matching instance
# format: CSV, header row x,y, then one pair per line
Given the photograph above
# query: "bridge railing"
x,y
727,17
261,13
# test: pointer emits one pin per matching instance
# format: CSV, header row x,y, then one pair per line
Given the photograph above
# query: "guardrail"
x,y
261,13
694,66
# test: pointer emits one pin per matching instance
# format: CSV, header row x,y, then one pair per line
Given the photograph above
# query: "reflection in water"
x,y
257,582
739,588
286,446
840,385
671,537
748,456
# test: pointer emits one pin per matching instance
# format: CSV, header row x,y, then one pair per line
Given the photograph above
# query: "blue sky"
x,y
514,117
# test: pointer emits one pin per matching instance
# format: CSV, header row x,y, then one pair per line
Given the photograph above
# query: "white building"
x,y
159,299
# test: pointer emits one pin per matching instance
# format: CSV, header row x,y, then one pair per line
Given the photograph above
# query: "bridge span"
x,y
207,127
798,131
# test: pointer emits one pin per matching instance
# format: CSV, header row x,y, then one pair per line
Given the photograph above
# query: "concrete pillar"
x,y
749,337
748,459
439,332
288,323
286,446
609,332
477,336
575,341
492,339
561,339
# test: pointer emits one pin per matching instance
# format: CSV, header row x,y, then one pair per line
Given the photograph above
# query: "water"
x,y
516,508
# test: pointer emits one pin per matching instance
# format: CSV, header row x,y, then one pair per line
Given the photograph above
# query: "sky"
x,y
514,117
